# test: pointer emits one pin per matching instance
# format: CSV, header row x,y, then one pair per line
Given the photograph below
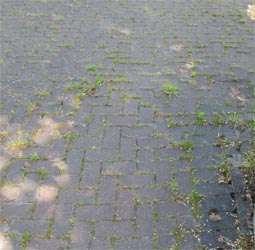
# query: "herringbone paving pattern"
x,y
123,124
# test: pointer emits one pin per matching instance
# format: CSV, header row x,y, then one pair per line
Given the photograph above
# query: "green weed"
x,y
71,136
34,157
170,89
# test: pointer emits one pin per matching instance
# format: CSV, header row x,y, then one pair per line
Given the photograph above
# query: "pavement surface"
x,y
124,124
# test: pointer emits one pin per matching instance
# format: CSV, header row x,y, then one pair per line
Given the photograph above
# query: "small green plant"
x,y
42,93
170,89
186,156
136,201
186,145
174,186
92,68
18,143
99,81
200,118
71,136
31,107
194,199
193,74
248,167
25,239
224,168
218,120
224,142
42,173
75,86
178,233
34,157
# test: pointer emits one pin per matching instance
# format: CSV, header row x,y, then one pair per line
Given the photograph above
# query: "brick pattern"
x,y
109,171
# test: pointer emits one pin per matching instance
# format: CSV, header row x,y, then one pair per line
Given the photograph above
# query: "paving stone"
x,y
176,208
99,244
213,188
137,180
125,204
74,160
90,176
76,196
145,220
125,167
107,193
80,235
44,210
106,154
62,216
16,210
105,229
36,244
211,239
128,149
221,202
34,227
102,212
111,138
121,121
139,244
150,194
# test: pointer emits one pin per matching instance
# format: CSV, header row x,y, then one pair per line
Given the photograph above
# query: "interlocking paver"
x,y
100,104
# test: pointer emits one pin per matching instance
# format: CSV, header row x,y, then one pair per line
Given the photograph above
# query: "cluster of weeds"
x,y
248,168
194,199
224,168
201,119
186,145
170,89
71,136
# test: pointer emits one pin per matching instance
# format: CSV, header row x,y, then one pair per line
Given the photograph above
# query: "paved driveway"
x,y
123,124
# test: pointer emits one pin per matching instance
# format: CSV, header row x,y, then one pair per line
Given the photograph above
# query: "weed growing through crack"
x,y
71,136
92,68
170,89
224,168
200,118
34,157
18,143
186,145
42,173
194,199
218,120
25,239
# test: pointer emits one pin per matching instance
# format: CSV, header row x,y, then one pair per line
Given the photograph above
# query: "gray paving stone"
x,y
137,180
128,149
62,216
36,244
90,175
106,154
16,210
105,229
121,121
101,212
107,192
139,244
176,208
76,196
34,227
125,167
125,204
145,220
80,235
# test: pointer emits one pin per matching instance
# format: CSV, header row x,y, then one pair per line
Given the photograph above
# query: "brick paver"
x,y
95,154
